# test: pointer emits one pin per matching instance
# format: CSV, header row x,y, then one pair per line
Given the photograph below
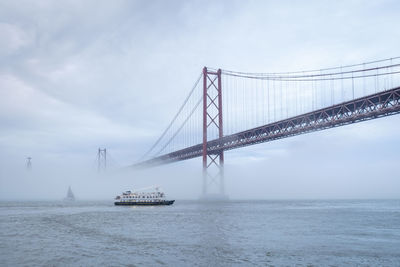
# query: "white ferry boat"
x,y
143,198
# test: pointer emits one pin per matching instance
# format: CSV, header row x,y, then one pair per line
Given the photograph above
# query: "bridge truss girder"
x,y
369,107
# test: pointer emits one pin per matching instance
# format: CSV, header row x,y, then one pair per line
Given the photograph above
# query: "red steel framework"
x,y
369,107
212,118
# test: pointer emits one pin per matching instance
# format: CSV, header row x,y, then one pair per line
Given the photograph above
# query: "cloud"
x,y
12,39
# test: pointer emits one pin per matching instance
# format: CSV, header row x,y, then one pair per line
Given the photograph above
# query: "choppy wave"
x,y
237,233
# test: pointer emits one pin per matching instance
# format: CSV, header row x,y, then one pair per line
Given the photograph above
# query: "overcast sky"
x,y
78,75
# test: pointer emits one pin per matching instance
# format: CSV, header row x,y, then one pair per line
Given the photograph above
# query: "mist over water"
x,y
191,233
321,165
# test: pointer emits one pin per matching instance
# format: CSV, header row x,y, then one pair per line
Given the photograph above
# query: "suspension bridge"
x,y
227,110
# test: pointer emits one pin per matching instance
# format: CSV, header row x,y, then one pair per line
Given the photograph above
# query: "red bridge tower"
x,y
213,164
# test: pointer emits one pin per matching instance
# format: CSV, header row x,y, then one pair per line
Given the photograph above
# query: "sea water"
x,y
192,233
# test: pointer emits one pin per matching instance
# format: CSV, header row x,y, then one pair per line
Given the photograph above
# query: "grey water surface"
x,y
191,233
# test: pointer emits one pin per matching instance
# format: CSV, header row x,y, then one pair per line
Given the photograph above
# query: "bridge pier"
x,y
213,163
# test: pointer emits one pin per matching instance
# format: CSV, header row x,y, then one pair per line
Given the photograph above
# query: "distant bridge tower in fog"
x,y
101,159
28,163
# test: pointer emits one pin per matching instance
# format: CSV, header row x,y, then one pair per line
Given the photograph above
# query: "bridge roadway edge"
x,y
369,107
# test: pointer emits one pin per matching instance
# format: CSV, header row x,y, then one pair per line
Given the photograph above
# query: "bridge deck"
x,y
365,108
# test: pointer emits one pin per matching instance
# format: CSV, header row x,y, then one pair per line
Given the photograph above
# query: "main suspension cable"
x,y
180,128
307,71
174,119
304,77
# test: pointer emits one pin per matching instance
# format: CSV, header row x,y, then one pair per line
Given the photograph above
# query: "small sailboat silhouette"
x,y
70,196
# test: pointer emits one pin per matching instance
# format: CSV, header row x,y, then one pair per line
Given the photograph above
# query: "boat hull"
x,y
159,203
